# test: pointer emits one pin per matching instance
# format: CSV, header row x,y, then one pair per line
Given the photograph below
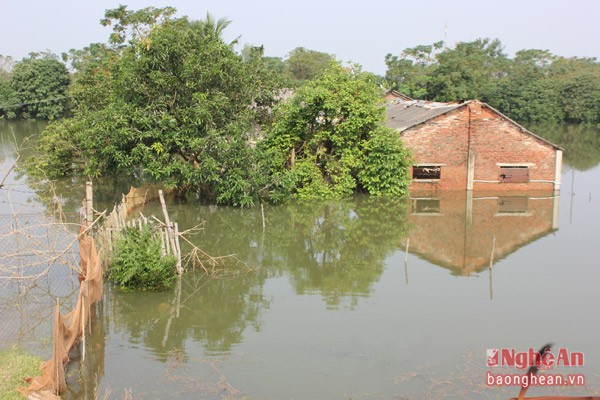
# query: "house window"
x,y
427,172
514,174
512,205
426,206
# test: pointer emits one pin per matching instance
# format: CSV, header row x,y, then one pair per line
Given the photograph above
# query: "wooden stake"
x,y
178,250
491,265
169,228
492,255
89,204
262,211
82,329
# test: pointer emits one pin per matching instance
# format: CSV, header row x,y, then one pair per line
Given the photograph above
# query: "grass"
x,y
15,365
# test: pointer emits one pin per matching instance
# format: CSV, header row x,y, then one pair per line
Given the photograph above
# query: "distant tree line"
x,y
534,86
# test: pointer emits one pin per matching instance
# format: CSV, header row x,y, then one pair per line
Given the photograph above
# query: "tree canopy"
x,y
175,105
331,140
534,86
168,100
34,88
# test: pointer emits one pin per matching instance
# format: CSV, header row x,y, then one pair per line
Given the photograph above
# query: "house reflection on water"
x,y
457,229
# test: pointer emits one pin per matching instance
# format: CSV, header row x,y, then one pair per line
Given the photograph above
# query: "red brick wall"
x,y
494,140
442,140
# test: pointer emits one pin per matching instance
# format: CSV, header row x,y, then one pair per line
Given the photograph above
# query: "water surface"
x,y
336,308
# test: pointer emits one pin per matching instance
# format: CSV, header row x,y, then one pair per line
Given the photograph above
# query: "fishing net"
x,y
68,329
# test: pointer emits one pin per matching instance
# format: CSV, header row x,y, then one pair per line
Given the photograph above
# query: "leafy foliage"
x,y
534,86
330,140
175,105
8,97
137,261
40,81
304,65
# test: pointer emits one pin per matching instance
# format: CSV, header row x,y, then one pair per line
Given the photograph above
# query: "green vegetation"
x,y
40,82
330,140
534,86
176,104
16,365
137,262
304,65
168,100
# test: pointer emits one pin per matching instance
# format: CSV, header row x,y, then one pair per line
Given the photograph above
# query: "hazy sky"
x,y
360,31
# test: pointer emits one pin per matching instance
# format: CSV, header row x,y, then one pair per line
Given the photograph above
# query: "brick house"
x,y
470,145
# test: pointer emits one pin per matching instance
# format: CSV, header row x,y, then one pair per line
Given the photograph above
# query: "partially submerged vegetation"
x,y
137,262
330,140
170,101
16,365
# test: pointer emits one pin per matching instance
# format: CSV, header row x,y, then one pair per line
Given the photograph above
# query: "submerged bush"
x,y
137,262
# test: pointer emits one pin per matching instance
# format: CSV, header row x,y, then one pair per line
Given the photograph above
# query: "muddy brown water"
x,y
336,308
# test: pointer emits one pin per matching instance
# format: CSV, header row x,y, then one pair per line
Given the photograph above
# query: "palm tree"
x,y
211,27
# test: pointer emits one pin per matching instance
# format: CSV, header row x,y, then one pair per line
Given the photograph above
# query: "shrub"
x,y
137,262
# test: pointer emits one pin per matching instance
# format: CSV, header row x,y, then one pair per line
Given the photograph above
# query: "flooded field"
x,y
355,298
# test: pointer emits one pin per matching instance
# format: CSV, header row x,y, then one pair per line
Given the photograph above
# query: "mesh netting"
x,y
69,329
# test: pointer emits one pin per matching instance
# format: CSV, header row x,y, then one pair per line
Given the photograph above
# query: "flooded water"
x,y
361,297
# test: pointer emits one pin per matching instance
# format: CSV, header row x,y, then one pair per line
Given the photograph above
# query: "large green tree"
x,y
409,73
174,104
304,64
330,139
36,88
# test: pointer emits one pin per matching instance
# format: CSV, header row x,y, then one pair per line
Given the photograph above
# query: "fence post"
x,y
89,203
169,230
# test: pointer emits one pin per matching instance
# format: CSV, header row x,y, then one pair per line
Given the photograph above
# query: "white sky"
x,y
354,30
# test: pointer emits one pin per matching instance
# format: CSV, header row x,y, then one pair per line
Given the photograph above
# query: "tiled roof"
x,y
402,115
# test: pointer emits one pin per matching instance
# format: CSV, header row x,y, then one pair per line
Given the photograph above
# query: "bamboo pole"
x,y
178,297
162,244
169,228
491,265
167,241
57,360
262,211
178,250
89,203
82,329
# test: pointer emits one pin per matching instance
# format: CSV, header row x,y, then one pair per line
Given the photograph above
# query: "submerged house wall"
x,y
473,146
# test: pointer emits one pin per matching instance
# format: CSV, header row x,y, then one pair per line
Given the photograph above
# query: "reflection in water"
x,y
214,312
458,230
84,375
327,306
581,143
337,249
